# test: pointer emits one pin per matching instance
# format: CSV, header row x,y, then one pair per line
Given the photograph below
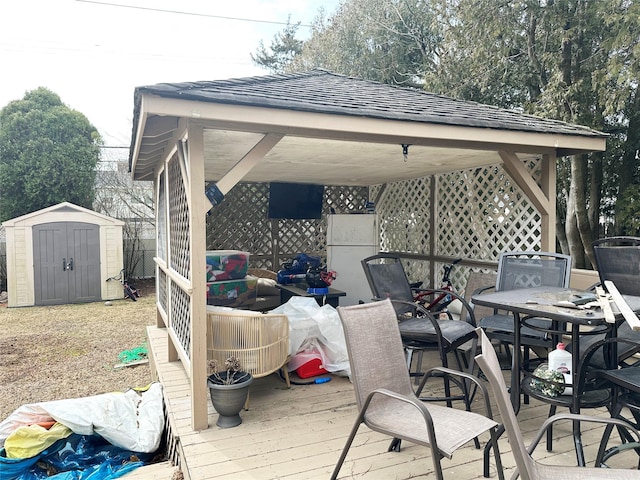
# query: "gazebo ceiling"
x,y
335,130
335,162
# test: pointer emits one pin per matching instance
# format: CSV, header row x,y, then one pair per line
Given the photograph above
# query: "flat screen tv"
x,y
295,200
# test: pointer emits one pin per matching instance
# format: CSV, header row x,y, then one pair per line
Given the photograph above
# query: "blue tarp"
x,y
77,457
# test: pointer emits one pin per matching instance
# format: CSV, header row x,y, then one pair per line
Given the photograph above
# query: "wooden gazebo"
x,y
315,127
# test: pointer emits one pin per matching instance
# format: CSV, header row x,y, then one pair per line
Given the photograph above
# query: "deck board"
x,y
298,433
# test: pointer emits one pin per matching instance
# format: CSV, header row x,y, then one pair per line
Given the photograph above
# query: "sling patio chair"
x,y
528,467
625,404
420,329
618,261
618,264
385,398
525,270
623,376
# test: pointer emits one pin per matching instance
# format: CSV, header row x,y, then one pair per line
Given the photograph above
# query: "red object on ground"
x,y
312,368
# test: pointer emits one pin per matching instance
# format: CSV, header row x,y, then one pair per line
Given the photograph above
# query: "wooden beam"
x,y
250,160
516,169
356,128
198,299
246,163
542,196
548,186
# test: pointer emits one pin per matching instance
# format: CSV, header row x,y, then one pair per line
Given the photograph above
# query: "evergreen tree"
x,y
48,154
572,60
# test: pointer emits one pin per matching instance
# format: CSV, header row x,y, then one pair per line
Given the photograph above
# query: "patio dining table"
x,y
546,302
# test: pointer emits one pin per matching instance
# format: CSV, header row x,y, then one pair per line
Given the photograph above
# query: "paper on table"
x,y
568,304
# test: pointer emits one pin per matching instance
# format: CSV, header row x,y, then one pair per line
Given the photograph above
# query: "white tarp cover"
x,y
316,328
130,420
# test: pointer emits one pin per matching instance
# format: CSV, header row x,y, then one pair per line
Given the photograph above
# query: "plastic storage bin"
x,y
232,293
226,265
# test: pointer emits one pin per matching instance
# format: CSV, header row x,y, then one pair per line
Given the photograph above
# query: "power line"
x,y
193,14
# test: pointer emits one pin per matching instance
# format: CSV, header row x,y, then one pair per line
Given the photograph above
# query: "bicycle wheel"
x,y
129,293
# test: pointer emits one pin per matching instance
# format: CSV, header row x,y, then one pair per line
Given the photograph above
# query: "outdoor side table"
x,y
332,298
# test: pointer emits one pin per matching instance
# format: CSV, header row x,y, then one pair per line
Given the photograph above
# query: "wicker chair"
x,y
268,295
259,341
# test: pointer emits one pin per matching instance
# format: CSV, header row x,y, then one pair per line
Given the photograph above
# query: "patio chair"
x,y
386,401
618,260
479,282
625,404
420,330
624,375
525,270
528,467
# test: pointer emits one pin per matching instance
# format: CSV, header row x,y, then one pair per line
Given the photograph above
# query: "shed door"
x,y
66,263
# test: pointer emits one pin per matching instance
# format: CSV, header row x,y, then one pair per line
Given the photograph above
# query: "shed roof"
x,y
340,123
60,212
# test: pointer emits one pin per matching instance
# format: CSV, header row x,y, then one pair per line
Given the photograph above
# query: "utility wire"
x,y
193,14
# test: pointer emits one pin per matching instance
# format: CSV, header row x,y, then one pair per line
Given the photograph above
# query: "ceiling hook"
x,y
405,151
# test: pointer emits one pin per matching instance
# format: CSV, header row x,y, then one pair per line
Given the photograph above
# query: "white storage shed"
x,y
63,254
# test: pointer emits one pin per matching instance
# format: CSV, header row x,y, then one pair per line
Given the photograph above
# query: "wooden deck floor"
x,y
298,433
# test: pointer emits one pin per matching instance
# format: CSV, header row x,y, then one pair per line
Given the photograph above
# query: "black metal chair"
x,y
526,270
420,330
625,398
618,261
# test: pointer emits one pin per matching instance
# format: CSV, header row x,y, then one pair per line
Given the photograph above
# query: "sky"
x,y
94,53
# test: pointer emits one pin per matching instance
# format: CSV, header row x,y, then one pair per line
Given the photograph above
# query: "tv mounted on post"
x,y
295,201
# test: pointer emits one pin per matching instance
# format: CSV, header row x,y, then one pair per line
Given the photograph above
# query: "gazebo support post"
x,y
198,307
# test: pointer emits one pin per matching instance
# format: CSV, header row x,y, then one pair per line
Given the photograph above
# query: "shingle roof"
x,y
321,91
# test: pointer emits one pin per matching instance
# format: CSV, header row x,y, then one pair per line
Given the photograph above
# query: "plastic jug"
x,y
560,360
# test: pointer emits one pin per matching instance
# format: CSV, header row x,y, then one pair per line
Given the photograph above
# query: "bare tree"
x,y
132,202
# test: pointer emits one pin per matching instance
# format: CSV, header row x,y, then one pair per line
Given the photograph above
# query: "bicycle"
x,y
444,297
129,290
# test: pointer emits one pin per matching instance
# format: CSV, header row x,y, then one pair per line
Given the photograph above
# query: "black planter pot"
x,y
228,400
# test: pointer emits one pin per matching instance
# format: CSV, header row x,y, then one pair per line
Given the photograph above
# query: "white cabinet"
x,y
350,238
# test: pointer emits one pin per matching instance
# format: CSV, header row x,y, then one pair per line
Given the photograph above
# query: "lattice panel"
x,y
345,199
404,222
178,220
179,320
162,290
241,222
482,212
308,236
162,218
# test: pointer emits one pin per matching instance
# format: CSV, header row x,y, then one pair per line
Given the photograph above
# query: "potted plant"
x,y
229,390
